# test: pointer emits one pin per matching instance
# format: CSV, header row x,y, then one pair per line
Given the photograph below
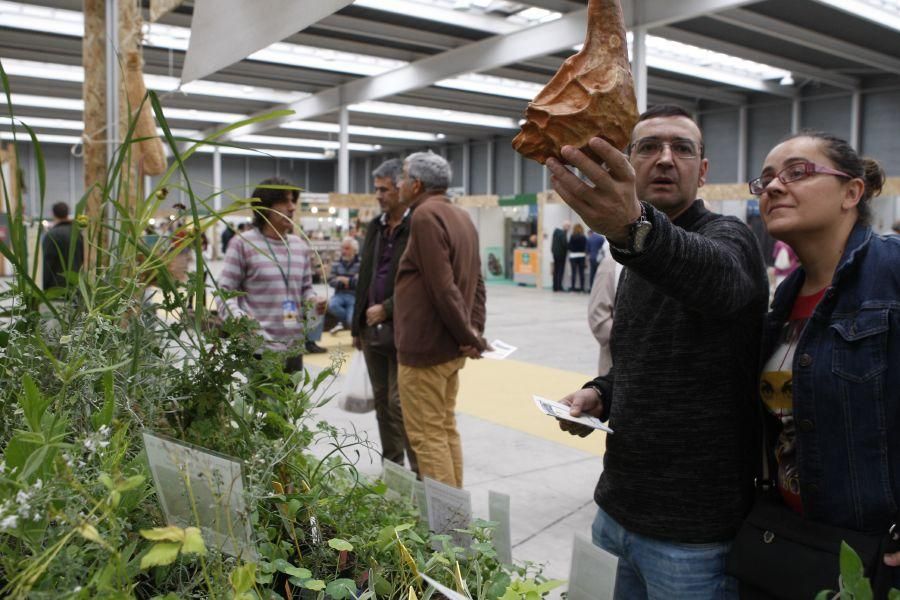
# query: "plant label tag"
x,y
498,511
593,572
290,313
421,500
197,487
400,481
449,509
443,589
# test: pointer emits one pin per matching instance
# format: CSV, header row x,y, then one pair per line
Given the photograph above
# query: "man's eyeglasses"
x,y
651,147
791,173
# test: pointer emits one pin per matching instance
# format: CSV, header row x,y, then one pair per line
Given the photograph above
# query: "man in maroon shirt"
x,y
372,325
439,315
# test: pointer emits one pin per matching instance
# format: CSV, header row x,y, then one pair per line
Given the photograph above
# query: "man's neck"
x,y
674,212
271,232
396,215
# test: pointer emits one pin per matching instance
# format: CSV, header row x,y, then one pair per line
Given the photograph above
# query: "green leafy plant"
x,y
853,584
125,347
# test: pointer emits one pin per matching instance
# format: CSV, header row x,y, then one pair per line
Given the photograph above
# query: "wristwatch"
x,y
637,233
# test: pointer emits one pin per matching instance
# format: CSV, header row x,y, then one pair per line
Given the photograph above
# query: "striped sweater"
x,y
250,268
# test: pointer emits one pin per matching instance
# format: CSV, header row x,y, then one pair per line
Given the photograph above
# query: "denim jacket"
x,y
846,386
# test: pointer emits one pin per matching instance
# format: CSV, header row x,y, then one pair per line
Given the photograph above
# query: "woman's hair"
x,y
846,159
265,197
578,229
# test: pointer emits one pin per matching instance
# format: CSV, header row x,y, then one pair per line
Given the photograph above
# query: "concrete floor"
x,y
551,485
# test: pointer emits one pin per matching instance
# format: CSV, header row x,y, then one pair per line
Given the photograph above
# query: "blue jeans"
x,y
341,306
660,570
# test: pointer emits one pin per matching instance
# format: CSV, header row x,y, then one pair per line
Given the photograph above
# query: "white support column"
x,y
112,78
639,66
517,173
796,115
856,120
217,199
344,152
545,179
368,175
742,144
466,169
489,186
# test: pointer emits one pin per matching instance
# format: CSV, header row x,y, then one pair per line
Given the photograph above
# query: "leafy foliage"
x,y
126,348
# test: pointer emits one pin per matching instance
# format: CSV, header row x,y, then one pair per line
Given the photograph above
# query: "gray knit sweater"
x,y
681,395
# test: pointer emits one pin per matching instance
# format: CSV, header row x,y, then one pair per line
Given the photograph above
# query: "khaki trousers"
x,y
428,398
383,375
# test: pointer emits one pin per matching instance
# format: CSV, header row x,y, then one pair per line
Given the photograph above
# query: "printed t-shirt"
x,y
776,390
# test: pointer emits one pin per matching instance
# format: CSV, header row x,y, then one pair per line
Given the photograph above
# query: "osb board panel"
x,y
158,8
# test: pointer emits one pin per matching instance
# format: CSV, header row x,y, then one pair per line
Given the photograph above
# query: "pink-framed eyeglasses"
x,y
793,172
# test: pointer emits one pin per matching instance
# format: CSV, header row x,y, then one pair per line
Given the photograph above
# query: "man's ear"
x,y
704,169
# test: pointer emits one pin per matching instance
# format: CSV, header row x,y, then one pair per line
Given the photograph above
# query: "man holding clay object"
x,y
677,477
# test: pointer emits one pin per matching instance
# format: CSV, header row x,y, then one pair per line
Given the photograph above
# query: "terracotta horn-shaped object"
x,y
592,94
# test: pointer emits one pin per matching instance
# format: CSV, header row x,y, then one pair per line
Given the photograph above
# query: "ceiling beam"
x,y
777,28
490,53
694,91
562,6
796,67
656,13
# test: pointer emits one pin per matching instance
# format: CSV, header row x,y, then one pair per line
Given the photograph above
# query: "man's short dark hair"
x,y
265,197
661,111
392,169
61,210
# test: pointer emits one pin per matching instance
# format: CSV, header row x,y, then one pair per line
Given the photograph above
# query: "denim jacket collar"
x,y
787,292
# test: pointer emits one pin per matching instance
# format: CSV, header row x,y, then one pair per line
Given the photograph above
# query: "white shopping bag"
x,y
358,396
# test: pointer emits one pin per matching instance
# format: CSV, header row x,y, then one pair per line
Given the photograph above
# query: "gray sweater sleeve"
x,y
713,270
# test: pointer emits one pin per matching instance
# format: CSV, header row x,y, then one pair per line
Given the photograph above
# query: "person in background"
x,y
439,315
595,242
577,254
270,265
344,275
677,475
559,248
62,248
601,305
786,262
372,325
831,342
226,236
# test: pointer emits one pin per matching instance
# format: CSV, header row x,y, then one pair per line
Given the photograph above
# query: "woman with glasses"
x,y
831,348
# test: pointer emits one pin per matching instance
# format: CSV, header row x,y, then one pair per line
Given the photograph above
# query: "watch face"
x,y
641,231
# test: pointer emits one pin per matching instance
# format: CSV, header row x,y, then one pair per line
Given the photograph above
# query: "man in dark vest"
x,y
372,325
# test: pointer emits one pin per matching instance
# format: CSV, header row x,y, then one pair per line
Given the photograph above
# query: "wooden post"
x,y
94,94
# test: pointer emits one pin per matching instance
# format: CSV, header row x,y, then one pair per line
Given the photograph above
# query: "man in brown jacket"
x,y
439,315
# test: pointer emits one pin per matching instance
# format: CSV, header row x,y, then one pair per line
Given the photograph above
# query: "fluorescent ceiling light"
x,y
159,83
42,123
306,143
379,132
497,86
262,152
434,114
25,16
44,101
694,61
44,139
883,12
442,12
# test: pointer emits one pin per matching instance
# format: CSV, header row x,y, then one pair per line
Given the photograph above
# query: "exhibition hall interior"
x,y
296,296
